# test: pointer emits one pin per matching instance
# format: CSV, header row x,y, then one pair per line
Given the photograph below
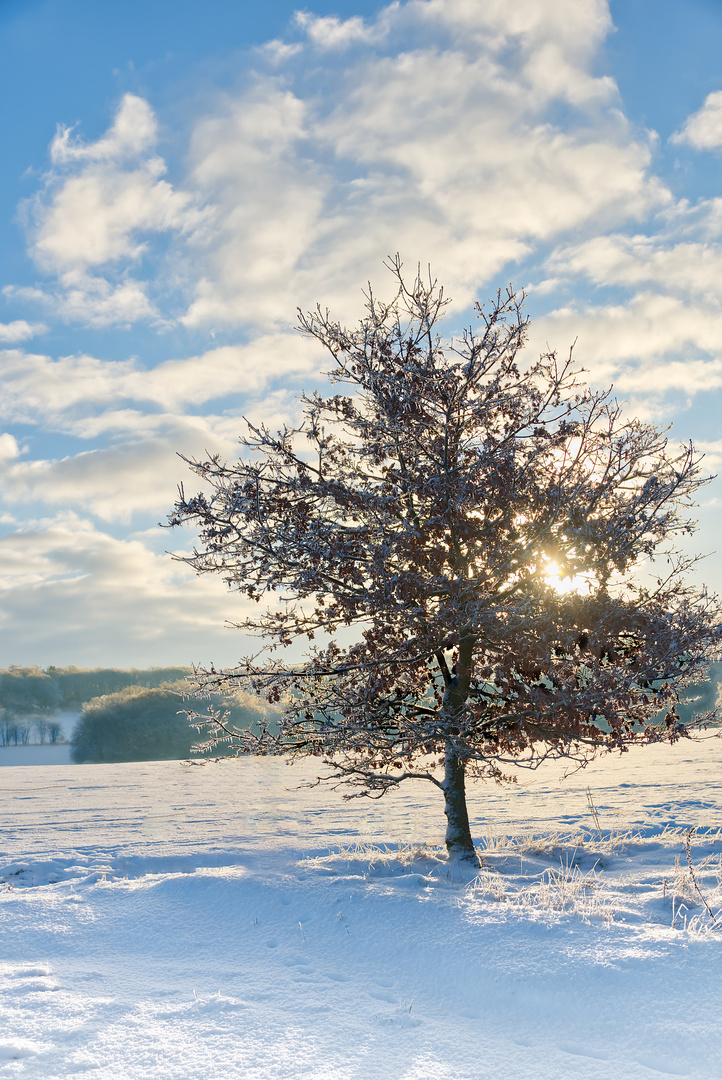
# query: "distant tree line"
x,y
125,714
16,731
35,691
31,696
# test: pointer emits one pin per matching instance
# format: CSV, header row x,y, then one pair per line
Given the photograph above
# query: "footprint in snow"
x,y
577,1050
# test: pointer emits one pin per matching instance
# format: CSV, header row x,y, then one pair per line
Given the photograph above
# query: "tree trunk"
x,y
458,834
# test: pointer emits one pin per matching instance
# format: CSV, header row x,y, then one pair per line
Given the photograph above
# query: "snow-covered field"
x,y
173,921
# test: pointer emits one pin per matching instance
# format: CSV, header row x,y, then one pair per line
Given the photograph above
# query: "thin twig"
x,y
688,847
594,813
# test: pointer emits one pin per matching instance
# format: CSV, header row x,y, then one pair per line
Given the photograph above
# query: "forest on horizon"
x,y
126,714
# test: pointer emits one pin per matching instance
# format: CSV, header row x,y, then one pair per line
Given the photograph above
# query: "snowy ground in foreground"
x,y
168,921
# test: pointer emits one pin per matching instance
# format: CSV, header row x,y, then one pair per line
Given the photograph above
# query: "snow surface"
x,y
210,921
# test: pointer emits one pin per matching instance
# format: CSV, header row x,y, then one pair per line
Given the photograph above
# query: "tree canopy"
x,y
482,553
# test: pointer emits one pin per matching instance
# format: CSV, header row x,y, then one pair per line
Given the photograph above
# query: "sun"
x,y
582,583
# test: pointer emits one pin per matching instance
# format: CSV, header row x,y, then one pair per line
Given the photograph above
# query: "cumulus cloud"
x,y
39,389
92,300
580,24
138,475
712,450
97,216
133,131
139,416
703,129
72,593
439,142
330,32
673,286
546,45
102,203
277,51
20,330
430,129
268,198
665,336
685,267
9,448
658,351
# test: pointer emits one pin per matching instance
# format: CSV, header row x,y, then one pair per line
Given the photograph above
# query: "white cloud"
x,y
441,145
703,129
651,346
230,369
20,330
688,267
277,51
134,130
96,216
665,337
547,45
9,448
102,204
137,475
330,32
268,199
74,594
92,300
580,25
440,142
38,389
712,450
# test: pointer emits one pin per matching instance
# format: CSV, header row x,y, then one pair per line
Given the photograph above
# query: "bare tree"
x,y
42,728
474,544
55,731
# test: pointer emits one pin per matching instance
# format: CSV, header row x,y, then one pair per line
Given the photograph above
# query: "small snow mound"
x,y
16,1049
37,970
45,872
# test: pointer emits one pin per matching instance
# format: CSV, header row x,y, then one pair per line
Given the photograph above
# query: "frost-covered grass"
x,y
161,920
543,875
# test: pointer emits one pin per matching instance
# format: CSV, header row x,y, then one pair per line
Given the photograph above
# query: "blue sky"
x,y
178,177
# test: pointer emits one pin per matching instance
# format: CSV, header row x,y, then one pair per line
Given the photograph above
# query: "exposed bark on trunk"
x,y
458,834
